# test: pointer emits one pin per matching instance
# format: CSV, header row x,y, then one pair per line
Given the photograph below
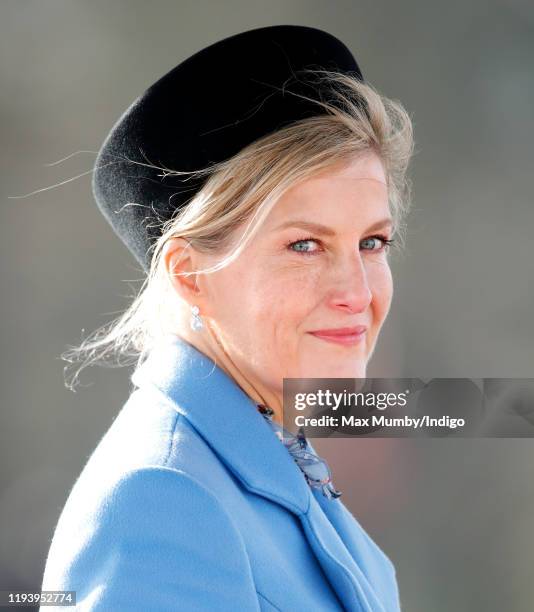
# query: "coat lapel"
x,y
230,423
346,577
375,571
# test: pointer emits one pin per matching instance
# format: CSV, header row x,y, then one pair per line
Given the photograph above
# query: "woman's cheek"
x,y
307,276
293,282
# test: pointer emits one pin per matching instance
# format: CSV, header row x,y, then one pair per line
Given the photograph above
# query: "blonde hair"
x,y
243,189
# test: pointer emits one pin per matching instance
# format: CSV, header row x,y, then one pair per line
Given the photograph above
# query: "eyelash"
x,y
386,244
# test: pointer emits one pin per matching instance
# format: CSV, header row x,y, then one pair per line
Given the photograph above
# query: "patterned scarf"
x,y
315,469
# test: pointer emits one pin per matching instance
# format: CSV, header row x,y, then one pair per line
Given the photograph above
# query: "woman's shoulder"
x,y
148,440
149,452
143,498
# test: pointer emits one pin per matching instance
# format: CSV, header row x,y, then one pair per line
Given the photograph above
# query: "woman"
x,y
259,185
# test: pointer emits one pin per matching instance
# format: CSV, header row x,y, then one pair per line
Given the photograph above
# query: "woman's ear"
x,y
178,257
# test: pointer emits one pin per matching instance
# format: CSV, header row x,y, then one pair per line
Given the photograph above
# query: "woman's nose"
x,y
349,288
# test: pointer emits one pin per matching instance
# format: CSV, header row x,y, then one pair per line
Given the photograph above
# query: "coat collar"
x,y
227,418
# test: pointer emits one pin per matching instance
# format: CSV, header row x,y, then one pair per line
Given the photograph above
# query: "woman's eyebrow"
x,y
382,224
328,231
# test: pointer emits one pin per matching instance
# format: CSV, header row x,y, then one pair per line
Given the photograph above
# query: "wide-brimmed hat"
x,y
204,111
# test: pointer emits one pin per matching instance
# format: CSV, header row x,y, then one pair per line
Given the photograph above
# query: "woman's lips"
x,y
343,335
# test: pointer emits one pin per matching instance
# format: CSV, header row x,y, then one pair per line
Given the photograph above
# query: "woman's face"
x,y
319,262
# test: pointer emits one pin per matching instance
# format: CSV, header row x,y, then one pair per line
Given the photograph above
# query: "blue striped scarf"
x,y
315,469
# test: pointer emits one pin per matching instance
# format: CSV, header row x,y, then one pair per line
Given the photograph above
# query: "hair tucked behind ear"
x,y
242,190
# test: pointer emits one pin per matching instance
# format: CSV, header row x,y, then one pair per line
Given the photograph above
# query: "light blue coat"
x,y
190,502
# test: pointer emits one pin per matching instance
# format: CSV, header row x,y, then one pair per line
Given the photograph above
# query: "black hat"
x,y
205,110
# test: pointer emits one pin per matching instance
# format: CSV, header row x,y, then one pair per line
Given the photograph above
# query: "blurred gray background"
x,y
455,516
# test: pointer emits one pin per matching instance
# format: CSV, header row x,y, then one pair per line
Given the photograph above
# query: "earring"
x,y
196,320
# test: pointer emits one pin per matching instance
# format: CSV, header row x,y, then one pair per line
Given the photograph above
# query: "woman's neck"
x,y
211,347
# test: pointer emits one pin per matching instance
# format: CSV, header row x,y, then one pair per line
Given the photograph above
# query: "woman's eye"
x,y
375,243
303,246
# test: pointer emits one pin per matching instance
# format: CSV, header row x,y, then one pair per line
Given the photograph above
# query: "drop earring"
x,y
196,320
